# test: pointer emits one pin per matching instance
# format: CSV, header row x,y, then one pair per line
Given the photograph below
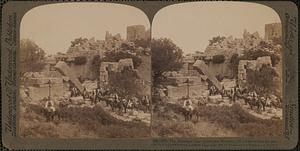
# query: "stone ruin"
x,y
251,64
230,45
273,30
105,67
110,37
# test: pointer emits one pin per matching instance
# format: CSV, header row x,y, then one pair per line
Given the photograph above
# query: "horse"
x,y
116,103
136,103
127,104
188,114
50,114
201,103
145,104
109,102
253,102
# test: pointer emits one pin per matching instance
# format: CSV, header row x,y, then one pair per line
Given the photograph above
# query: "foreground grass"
x,y
78,123
223,121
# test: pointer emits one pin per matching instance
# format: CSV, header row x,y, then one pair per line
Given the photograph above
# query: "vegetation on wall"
x,y
80,60
218,59
263,80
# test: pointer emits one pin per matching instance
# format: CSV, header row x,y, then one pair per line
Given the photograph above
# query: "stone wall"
x,y
195,91
220,69
273,30
38,93
104,66
85,71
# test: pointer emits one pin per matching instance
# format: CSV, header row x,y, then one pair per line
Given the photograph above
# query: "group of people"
x,y
116,101
251,98
123,103
112,99
260,101
189,109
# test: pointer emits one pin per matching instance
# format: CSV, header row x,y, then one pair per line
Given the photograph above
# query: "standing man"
x,y
187,105
50,109
233,94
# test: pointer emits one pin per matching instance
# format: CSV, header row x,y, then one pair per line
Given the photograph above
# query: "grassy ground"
x,y
78,123
215,121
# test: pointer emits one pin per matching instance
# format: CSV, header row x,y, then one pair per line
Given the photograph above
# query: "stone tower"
x,y
136,32
273,30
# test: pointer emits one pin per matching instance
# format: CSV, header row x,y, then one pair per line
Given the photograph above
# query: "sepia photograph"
x,y
85,72
217,70
149,75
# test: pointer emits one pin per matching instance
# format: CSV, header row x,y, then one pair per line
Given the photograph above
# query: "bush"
x,y
218,59
124,82
217,39
80,60
262,81
142,43
115,56
254,54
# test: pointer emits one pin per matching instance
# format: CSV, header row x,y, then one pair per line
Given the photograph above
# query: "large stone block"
x,y
64,69
200,65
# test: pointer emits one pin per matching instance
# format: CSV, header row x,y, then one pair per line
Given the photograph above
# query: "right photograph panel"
x,y
217,70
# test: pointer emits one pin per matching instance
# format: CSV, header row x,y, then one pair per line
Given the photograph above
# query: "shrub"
x,y
262,81
115,56
254,54
217,39
80,60
218,59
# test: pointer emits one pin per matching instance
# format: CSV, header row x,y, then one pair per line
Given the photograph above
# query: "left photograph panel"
x,y
85,72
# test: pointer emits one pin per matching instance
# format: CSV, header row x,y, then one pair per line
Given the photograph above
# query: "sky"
x,y
53,27
191,25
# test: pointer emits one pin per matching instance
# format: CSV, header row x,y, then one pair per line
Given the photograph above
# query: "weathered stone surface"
x,y
273,30
253,65
201,66
136,32
65,70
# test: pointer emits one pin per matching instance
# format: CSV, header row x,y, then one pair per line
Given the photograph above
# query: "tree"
x,y
115,56
263,80
217,59
124,82
80,60
78,41
166,56
142,43
216,40
126,46
32,57
254,54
